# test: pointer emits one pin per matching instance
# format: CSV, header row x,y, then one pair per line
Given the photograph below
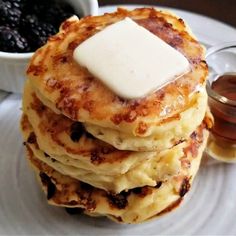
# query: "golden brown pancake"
x,y
128,160
70,89
74,153
133,206
166,134
146,172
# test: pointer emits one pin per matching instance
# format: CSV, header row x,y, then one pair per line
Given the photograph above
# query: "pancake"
x,y
133,206
69,89
128,160
160,167
166,134
49,136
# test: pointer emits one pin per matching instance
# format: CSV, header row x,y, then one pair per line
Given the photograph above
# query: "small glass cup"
x,y
221,89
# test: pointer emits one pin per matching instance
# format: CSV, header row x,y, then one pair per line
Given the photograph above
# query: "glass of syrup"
x,y
221,88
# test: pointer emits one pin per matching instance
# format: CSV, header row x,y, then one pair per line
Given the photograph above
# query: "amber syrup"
x,y
225,114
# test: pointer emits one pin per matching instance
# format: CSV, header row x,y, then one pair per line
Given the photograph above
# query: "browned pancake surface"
x,y
80,96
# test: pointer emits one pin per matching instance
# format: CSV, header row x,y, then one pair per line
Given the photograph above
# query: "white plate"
x,y
209,209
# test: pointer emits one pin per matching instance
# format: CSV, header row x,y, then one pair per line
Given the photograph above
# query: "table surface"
x,y
221,10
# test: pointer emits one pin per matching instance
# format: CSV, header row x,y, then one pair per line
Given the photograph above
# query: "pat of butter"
x,y
130,60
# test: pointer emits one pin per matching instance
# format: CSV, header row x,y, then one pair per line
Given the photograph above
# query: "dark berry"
x,y
76,131
73,211
38,7
9,15
40,34
27,24
20,4
57,14
46,181
12,41
118,200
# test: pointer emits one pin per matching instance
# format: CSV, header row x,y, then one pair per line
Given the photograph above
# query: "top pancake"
x,y
70,89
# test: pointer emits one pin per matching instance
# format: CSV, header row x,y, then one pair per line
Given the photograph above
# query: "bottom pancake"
x,y
133,206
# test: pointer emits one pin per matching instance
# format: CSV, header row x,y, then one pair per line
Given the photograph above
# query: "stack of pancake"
x,y
129,160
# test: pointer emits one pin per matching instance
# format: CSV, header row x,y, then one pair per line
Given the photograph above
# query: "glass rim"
x,y
211,93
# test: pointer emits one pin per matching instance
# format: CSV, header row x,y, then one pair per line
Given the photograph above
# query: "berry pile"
x,y
25,25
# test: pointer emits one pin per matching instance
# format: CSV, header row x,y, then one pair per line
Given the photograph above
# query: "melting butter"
x,y
130,60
